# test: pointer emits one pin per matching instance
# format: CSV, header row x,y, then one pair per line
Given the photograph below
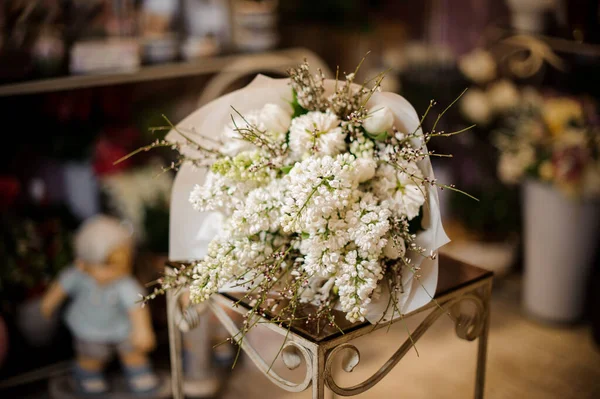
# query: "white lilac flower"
x,y
250,165
219,193
362,147
322,250
318,291
316,133
276,120
365,169
317,188
403,187
368,223
379,119
227,258
356,280
217,268
364,150
475,106
260,211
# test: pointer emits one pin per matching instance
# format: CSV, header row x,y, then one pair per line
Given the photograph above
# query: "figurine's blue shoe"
x,y
141,379
89,382
224,355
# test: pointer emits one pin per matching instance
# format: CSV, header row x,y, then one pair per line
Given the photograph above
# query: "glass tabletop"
x,y
453,275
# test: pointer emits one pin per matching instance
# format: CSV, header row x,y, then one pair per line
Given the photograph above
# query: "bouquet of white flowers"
x,y
325,194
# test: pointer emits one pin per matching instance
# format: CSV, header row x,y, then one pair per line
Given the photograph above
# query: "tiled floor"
x,y
525,360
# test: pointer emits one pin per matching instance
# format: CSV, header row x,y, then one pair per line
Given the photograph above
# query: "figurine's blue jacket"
x,y
99,313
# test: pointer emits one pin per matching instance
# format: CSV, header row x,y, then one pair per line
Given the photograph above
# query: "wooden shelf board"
x,y
145,73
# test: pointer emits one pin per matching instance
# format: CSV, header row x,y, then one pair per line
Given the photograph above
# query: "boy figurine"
x,y
105,315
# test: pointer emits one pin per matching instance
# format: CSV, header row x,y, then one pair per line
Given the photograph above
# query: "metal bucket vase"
x,y
560,238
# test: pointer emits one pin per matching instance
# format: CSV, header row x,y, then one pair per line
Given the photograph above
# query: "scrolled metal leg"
x,y
468,328
318,380
174,346
469,325
293,353
483,340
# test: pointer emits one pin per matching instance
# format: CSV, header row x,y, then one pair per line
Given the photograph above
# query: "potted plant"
x,y
35,247
553,146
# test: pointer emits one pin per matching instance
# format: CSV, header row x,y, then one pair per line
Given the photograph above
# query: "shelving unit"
x,y
149,73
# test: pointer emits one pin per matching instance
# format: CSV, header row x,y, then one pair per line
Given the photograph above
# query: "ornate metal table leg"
x,y
469,326
318,378
174,346
483,340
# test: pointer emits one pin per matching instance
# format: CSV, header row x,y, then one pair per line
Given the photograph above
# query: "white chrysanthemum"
x,y
219,193
317,188
403,188
356,280
316,133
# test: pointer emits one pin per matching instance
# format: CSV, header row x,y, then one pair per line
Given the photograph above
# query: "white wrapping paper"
x,y
191,231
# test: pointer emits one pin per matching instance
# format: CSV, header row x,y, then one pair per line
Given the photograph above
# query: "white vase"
x,y
528,15
561,236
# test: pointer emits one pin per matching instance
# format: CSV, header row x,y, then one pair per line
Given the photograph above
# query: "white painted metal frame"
x,y
319,356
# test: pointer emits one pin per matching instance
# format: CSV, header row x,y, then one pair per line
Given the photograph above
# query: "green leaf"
x,y
297,108
379,137
304,236
286,169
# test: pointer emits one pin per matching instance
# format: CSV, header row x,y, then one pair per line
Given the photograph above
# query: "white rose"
x,y
394,248
365,169
478,65
234,143
379,119
475,106
275,119
503,96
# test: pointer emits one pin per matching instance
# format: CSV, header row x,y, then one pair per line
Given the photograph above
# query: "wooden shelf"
x,y
146,73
